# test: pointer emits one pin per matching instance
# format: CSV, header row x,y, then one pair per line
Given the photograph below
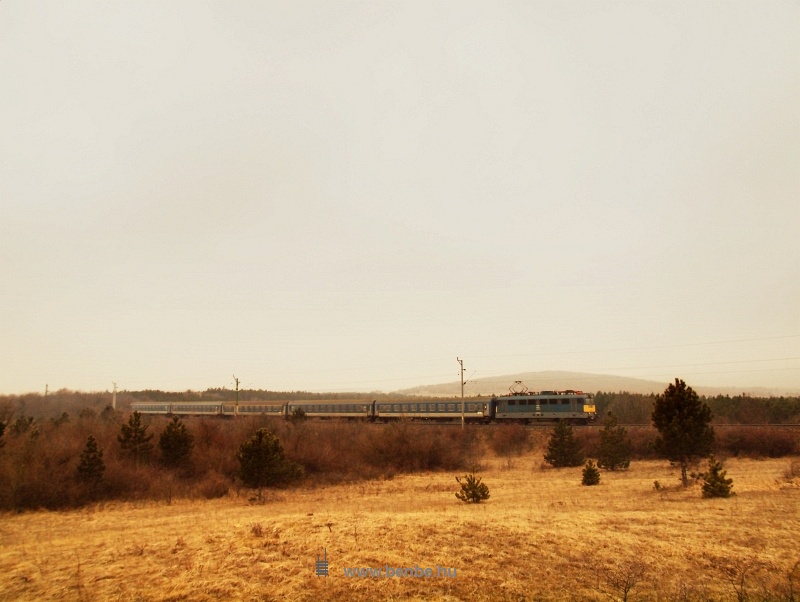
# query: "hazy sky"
x,y
349,195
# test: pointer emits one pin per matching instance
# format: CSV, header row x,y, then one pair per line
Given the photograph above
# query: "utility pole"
x,y
45,390
114,397
461,362
236,408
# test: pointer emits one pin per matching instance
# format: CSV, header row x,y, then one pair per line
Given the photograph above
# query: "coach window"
x,y
512,402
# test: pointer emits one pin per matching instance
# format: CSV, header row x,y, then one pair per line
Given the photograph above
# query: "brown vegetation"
x,y
39,463
39,460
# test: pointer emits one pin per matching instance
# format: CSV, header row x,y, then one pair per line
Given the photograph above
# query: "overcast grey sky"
x,y
348,195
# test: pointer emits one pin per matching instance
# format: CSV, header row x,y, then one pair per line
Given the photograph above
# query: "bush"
x,y
591,476
262,462
714,482
298,415
771,442
509,439
472,490
405,447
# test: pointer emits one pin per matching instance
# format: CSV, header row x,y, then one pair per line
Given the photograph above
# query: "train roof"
x,y
518,389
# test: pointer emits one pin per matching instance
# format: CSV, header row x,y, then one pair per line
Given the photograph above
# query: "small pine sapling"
x,y
591,476
714,482
472,490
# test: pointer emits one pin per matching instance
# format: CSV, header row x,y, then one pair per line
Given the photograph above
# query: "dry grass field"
x,y
541,536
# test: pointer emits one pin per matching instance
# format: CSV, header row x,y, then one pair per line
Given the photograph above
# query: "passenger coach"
x,y
432,410
519,405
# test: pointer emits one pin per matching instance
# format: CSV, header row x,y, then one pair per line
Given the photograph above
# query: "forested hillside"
x,y
635,408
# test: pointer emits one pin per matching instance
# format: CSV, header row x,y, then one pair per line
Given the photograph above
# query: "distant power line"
x,y
610,350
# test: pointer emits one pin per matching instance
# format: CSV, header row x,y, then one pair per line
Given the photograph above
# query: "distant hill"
x,y
579,381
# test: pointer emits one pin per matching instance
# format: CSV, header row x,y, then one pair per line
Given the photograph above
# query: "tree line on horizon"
x,y
629,408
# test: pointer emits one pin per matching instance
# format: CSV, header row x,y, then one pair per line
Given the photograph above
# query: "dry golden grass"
x,y
541,535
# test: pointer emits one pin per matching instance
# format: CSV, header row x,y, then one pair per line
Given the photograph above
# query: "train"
x,y
520,406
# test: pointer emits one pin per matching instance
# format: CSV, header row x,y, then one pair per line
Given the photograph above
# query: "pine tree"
x,y
563,449
715,484
22,425
63,419
684,425
615,446
472,490
134,440
176,444
262,462
591,476
91,467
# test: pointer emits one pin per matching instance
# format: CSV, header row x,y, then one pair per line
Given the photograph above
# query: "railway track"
x,y
597,425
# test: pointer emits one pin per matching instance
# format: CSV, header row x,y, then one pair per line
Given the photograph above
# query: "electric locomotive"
x,y
521,405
